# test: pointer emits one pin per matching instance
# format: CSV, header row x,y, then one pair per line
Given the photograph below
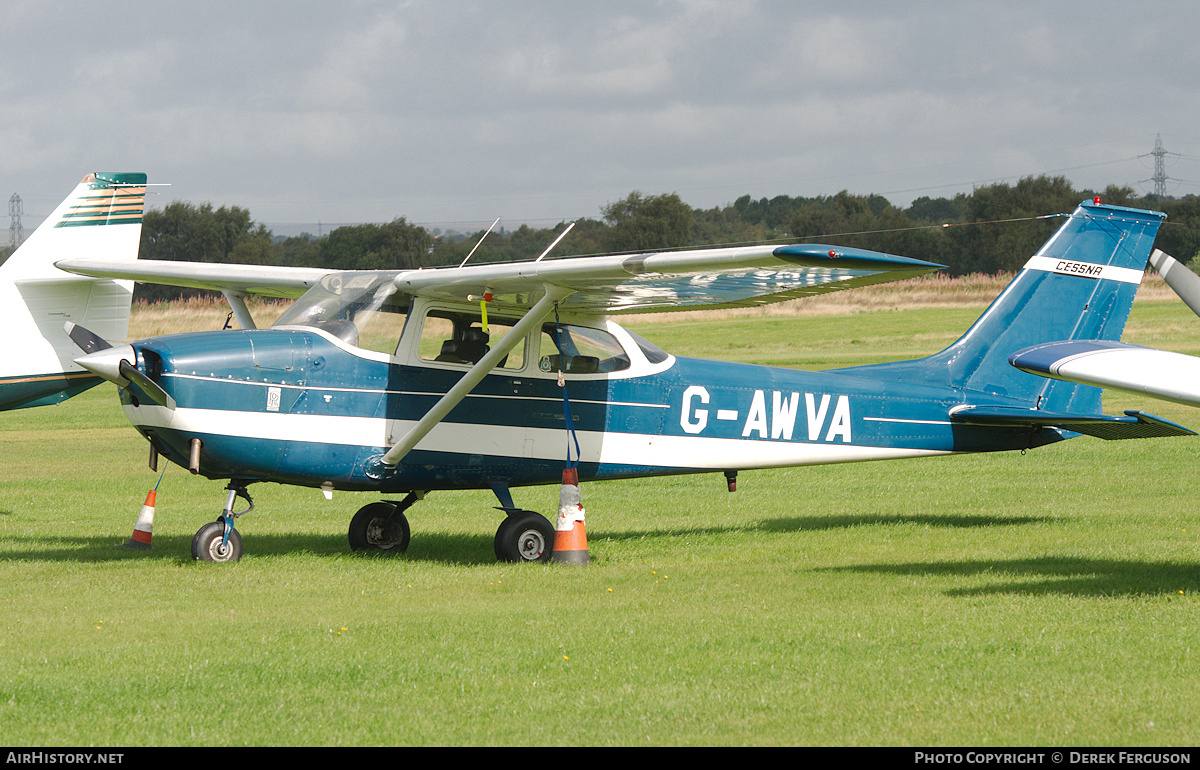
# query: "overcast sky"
x,y
454,113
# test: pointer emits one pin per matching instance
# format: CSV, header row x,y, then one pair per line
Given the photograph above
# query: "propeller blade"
x,y
115,365
147,385
87,341
1183,281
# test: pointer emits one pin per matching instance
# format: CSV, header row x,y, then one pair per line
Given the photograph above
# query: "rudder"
x,y
1079,286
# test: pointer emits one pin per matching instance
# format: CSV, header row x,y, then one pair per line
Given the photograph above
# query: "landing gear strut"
x,y
382,526
523,536
219,541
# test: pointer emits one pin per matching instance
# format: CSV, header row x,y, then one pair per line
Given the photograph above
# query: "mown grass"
x,y
1039,599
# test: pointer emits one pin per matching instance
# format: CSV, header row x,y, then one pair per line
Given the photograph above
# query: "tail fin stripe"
x,y
1084,269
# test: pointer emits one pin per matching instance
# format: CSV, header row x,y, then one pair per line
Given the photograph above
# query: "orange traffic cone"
x,y
570,536
140,541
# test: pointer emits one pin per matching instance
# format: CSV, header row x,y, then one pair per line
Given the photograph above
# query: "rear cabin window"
x,y
451,337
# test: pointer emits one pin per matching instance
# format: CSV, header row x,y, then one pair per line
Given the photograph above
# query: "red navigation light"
x,y
1096,200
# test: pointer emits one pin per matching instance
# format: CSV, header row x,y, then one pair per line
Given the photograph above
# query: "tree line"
x,y
994,228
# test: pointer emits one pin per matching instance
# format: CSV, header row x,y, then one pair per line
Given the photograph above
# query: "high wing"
x,y
680,280
281,282
625,283
236,282
666,281
607,285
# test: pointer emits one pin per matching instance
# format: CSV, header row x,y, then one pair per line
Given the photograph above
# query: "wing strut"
x,y
237,303
475,374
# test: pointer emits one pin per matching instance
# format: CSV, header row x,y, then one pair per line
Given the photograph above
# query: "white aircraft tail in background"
x,y
100,220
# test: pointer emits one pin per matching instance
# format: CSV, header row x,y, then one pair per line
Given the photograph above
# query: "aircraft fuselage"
x,y
302,407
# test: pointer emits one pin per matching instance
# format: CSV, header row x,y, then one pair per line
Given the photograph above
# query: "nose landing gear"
x,y
219,541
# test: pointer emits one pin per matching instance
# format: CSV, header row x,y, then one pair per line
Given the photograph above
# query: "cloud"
x,y
463,111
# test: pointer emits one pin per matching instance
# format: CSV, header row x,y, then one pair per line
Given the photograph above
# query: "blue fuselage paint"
x,y
294,407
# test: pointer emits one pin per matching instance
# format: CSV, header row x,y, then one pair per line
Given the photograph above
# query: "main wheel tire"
x,y
379,527
525,537
206,545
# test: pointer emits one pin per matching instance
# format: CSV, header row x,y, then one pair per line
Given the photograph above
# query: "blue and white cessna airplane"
x,y
101,219
494,376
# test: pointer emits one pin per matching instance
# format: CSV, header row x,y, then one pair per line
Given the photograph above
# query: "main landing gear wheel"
x,y
525,536
379,527
209,543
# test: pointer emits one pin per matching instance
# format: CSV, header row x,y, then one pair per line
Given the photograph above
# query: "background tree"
x,y
1009,223
640,223
397,245
186,232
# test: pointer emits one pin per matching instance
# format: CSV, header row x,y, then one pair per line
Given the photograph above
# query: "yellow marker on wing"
x,y
486,298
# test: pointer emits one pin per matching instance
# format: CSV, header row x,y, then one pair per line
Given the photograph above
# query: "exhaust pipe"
x,y
194,458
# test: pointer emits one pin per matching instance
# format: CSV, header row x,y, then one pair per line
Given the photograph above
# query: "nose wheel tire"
x,y
525,536
209,545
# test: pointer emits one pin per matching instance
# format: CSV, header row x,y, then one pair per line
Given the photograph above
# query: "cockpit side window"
x,y
580,350
458,337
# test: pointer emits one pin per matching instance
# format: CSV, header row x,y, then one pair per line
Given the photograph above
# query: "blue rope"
x,y
566,401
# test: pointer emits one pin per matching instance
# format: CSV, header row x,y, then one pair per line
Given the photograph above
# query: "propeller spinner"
x,y
115,364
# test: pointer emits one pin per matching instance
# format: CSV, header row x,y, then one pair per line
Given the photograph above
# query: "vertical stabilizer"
x,y
101,219
1079,286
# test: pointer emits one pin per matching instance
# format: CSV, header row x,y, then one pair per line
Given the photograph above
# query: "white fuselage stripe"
x,y
907,422
628,449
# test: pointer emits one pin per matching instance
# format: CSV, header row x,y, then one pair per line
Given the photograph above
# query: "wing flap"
x,y
1134,423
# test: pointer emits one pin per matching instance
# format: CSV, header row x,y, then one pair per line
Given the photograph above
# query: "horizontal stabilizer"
x,y
1134,424
1158,373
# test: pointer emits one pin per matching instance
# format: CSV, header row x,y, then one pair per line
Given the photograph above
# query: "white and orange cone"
x,y
570,536
144,528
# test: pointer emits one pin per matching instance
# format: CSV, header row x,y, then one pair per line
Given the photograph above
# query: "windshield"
x,y
348,305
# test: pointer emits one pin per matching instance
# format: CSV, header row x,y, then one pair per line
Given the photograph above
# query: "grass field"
x,y
1042,599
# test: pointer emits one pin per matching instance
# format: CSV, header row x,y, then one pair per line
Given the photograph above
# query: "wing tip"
x,y
846,256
